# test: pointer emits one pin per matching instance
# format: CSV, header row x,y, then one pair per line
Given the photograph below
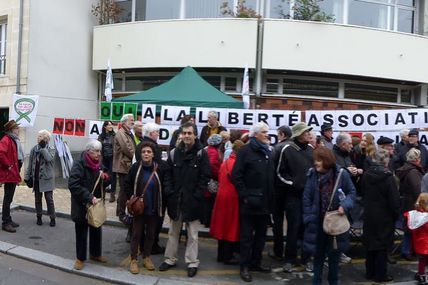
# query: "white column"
x,y
182,9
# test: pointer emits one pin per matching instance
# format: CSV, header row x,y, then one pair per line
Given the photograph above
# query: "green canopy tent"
x,y
187,88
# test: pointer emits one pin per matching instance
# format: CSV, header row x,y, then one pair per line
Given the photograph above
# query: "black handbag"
x,y
29,182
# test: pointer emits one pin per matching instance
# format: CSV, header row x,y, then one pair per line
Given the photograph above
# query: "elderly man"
x,y
413,143
123,152
138,132
213,127
253,177
150,133
11,158
186,179
404,136
327,135
294,162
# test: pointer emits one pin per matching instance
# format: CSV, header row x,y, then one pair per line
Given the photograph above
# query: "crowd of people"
x,y
237,184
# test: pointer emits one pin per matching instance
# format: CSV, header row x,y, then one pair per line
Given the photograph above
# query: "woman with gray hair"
x,y
40,175
87,186
381,201
410,175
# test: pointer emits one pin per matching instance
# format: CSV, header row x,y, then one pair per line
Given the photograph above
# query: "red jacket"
x,y
419,238
214,156
9,166
225,217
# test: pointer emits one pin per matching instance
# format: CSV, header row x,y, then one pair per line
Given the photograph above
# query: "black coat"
x,y
410,184
205,133
381,202
81,183
253,175
158,152
401,156
186,179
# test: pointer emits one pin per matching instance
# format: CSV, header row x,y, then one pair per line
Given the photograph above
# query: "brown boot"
x,y
78,264
148,264
112,197
133,267
8,228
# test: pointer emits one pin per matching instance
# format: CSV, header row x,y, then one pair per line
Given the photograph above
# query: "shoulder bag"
x,y
97,214
135,204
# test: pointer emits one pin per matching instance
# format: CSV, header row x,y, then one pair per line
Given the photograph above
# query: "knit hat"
x,y
299,129
214,140
10,125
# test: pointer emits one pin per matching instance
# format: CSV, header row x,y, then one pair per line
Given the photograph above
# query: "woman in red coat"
x,y
225,218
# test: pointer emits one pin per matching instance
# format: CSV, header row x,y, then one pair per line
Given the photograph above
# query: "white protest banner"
x,y
95,129
171,115
368,120
148,113
244,119
201,115
24,109
165,134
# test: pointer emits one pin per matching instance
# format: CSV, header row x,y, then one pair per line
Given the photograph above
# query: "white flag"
x,y
109,83
24,109
246,89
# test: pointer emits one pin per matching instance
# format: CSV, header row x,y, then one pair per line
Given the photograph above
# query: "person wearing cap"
x,y
11,159
252,176
284,135
294,162
387,144
413,143
327,135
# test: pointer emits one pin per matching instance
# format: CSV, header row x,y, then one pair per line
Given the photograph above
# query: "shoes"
x,y
39,221
157,249
133,267
390,259
148,264
15,225
100,258
260,268
384,279
165,266
422,279
245,275
129,236
191,271
232,261
52,223
408,257
8,228
274,256
344,259
112,198
288,268
78,264
309,266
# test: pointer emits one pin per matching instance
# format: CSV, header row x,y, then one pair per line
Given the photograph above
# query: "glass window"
x,y
140,10
213,80
272,85
3,41
310,88
126,14
410,3
117,82
371,15
405,21
140,83
162,9
230,84
371,93
204,8
406,96
279,9
333,7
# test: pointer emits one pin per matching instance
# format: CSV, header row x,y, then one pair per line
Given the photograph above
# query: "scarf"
x,y
261,146
94,165
326,184
18,145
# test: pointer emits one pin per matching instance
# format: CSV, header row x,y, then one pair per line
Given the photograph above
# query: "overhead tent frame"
x,y
187,88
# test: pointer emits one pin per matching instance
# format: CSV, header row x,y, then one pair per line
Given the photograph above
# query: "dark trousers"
x,y
9,191
253,238
38,201
159,227
324,248
294,215
108,163
147,223
225,250
278,222
376,264
95,240
121,200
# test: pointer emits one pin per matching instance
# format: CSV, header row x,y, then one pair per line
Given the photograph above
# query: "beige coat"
x,y
123,152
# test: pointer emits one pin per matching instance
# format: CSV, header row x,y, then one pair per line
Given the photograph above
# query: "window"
x,y
126,7
310,88
371,93
406,96
203,8
230,84
162,9
272,85
140,83
3,41
213,80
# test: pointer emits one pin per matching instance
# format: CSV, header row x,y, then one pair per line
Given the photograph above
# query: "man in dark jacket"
x,y
413,143
327,135
253,177
294,163
213,127
284,135
404,135
186,179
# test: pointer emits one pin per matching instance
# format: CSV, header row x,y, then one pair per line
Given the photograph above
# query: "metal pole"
x,y
259,55
18,67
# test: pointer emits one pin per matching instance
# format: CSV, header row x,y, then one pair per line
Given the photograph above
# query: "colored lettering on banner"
x,y
115,111
69,127
58,127
105,111
79,128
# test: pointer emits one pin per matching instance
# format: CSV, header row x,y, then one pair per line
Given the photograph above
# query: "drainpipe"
x,y
259,55
18,67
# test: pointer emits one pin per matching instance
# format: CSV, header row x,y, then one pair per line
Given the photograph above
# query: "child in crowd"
x,y
417,221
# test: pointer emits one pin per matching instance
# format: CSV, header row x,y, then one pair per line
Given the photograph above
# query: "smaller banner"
x,y
24,109
69,127
95,129
115,111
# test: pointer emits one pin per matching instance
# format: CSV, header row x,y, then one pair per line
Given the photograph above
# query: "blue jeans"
x,y
324,247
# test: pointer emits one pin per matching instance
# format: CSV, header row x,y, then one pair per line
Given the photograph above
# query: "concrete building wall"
x,y
59,64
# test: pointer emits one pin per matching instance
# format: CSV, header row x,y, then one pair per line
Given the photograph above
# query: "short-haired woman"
x,y
87,183
40,173
145,178
316,201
